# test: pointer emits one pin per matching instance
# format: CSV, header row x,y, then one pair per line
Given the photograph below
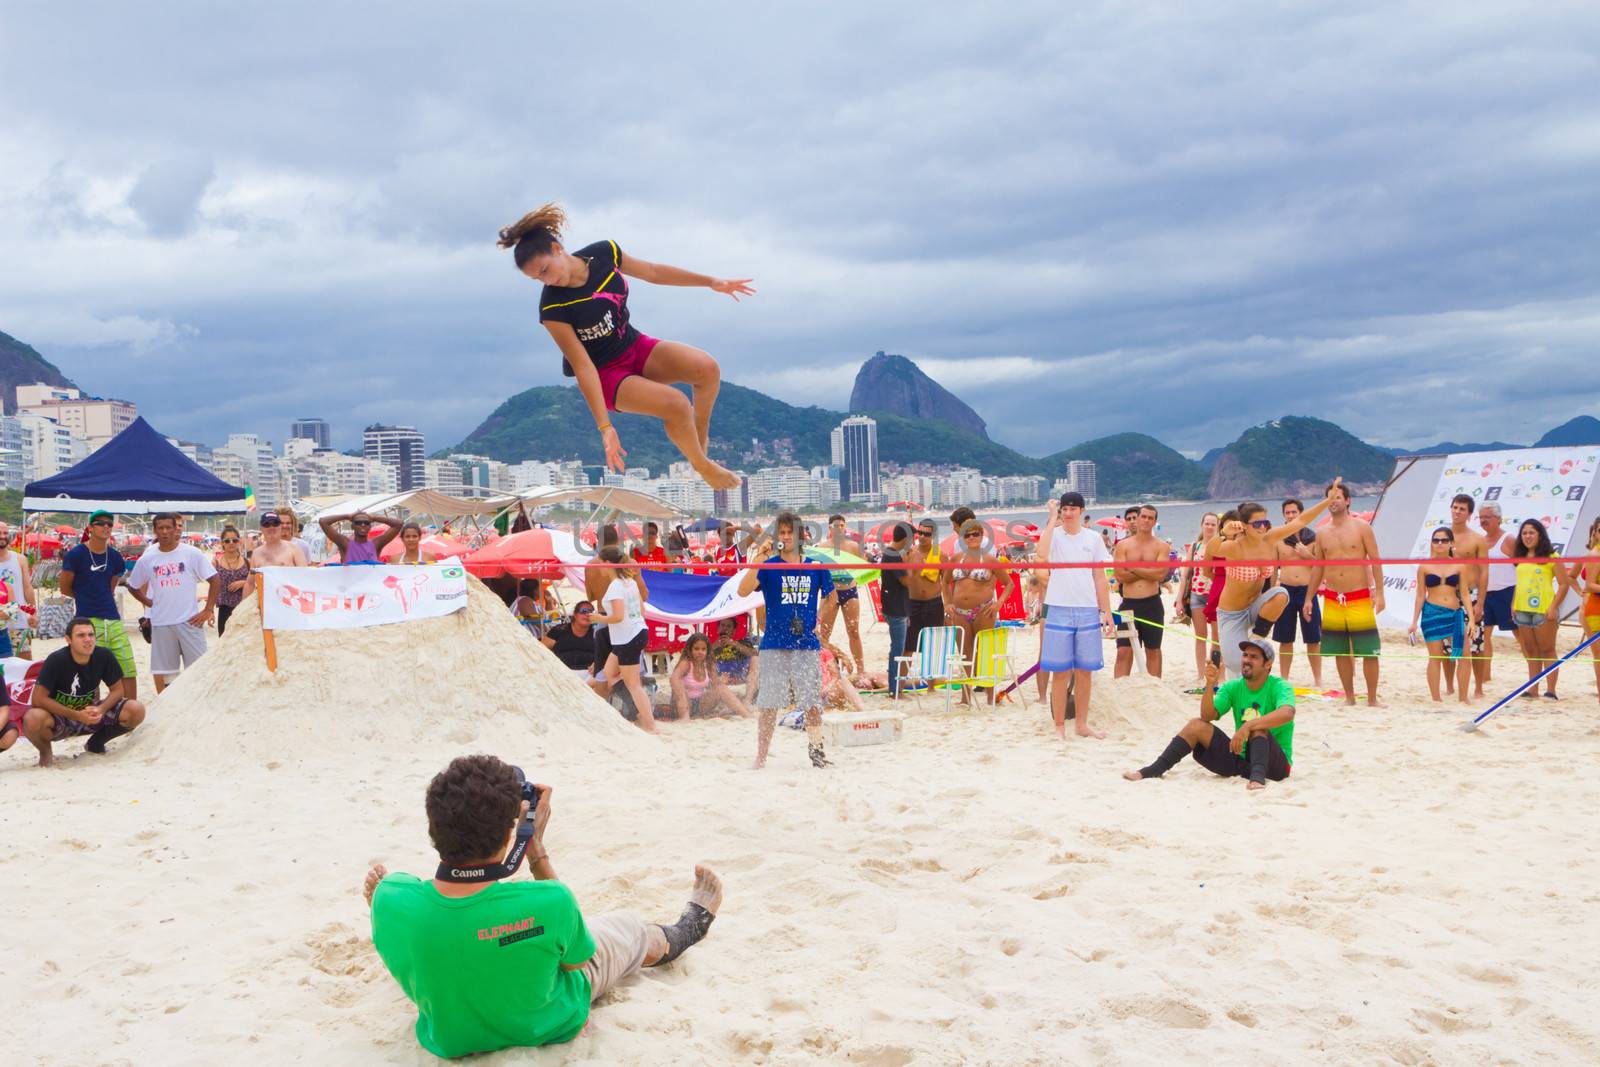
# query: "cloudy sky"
x,y
1083,218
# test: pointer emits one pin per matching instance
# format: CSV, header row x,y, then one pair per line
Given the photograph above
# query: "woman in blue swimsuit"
x,y
1440,613
584,305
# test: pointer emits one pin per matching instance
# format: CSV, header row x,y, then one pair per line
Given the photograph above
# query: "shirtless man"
x,y
845,589
1141,591
275,549
1469,544
1352,597
926,607
1303,613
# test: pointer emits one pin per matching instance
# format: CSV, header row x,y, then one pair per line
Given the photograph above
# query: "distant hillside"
x,y
1583,430
1295,454
1130,464
21,365
896,385
1444,448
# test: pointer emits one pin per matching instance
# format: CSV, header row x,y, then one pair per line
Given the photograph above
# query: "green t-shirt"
x,y
1247,704
484,970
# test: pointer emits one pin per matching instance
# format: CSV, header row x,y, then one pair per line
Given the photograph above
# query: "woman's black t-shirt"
x,y
574,651
597,310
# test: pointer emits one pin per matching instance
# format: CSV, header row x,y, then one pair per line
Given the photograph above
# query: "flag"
x,y
249,499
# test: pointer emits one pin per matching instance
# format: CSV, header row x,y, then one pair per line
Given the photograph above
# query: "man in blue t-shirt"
x,y
1262,745
791,655
90,572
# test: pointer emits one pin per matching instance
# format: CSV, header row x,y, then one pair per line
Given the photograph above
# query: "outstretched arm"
x,y
662,274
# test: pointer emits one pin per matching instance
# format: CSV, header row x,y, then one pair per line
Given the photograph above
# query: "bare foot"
x,y
1374,702
1350,701
1061,731
760,762
1253,786
1098,735
707,890
378,873
1133,776
717,476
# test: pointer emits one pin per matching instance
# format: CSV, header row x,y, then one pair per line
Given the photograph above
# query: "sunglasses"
x,y
1441,540
585,611
1262,524
230,540
101,522
924,533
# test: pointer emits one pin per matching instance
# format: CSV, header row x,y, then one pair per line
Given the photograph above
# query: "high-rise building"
x,y
401,448
836,446
1081,478
859,439
258,466
312,430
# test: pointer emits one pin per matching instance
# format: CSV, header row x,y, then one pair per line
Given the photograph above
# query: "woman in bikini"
x,y
1440,613
1585,579
698,690
1245,606
972,591
584,305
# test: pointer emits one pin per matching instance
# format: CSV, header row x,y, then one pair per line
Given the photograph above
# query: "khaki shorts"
x,y
620,944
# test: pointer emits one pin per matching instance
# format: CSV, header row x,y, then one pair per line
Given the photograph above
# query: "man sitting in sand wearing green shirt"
x,y
489,962
1262,746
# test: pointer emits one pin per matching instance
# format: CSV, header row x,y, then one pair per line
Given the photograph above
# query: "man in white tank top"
x,y
1500,586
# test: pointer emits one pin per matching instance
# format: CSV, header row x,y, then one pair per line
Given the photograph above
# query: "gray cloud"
x,y
1174,218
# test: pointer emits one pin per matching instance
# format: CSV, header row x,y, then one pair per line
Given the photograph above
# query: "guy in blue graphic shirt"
x,y
791,655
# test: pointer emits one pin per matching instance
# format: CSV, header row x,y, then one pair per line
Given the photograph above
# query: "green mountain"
x,y
21,365
1583,430
1295,454
1130,464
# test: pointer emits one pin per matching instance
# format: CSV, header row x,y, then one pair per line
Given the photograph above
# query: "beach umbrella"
x,y
824,554
1113,522
704,525
908,505
65,529
527,554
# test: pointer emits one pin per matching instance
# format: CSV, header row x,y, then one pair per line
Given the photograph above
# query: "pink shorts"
x,y
629,363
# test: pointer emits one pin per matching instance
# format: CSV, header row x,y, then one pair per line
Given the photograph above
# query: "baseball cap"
x,y
106,515
1259,644
1072,500
270,519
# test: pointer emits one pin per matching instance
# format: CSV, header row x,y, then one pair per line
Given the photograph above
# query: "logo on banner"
x,y
1566,466
1492,493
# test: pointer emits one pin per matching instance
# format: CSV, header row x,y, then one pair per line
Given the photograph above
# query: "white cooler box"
x,y
848,729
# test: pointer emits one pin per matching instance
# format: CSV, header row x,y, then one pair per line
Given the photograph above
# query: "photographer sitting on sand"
x,y
493,963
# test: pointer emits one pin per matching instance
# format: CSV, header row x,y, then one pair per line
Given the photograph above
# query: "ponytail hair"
x,y
535,234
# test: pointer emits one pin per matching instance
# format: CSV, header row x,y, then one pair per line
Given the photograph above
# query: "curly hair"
x,y
471,806
534,234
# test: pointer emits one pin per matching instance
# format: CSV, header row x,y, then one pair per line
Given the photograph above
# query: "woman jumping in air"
x,y
584,305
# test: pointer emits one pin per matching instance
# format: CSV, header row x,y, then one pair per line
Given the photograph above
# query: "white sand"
x,y
977,894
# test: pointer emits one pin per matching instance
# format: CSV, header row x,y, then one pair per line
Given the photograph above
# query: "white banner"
x,y
342,598
1548,484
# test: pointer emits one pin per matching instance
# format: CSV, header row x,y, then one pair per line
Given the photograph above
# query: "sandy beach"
x,y
978,893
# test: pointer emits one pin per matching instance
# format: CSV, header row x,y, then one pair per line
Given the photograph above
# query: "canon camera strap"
x,y
494,871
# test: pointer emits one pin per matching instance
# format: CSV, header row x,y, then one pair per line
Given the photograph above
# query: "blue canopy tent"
x,y
137,472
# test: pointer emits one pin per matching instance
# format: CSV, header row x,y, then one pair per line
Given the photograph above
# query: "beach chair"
x,y
937,658
991,666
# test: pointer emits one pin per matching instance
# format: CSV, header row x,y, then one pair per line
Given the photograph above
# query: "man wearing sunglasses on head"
x,y
1246,607
359,546
90,571
1143,563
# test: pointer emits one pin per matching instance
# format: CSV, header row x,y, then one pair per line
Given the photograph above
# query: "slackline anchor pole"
x,y
268,641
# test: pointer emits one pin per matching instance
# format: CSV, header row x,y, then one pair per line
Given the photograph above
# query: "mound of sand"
x,y
1139,706
472,680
